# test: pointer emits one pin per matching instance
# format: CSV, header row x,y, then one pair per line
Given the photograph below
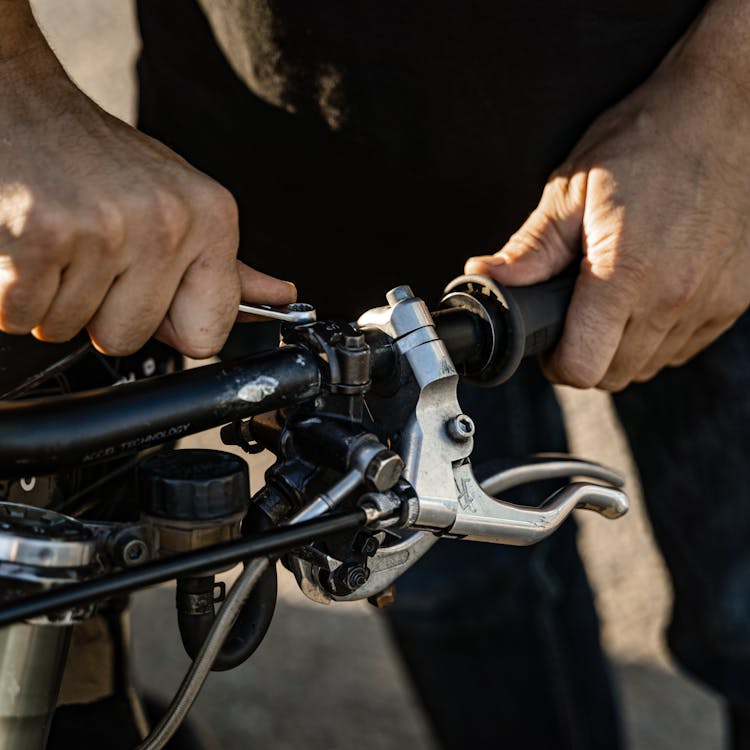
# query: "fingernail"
x,y
488,260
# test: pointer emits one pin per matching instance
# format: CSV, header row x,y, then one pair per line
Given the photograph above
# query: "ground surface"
x,y
327,677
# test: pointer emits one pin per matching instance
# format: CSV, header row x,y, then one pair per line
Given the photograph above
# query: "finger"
x,y
261,289
681,345
641,342
26,293
204,306
133,308
548,240
700,339
597,316
83,286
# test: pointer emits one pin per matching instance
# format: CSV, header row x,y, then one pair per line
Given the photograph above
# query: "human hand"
x,y
653,201
104,228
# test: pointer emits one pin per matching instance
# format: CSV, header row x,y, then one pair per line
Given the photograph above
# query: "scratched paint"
x,y
258,389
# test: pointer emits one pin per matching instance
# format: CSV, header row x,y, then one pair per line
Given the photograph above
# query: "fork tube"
x,y
32,661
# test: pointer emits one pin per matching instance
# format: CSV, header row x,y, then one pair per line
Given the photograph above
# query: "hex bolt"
x,y
384,470
354,341
461,428
366,545
399,294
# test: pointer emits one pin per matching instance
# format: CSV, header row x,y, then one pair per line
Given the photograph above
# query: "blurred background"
x,y
328,677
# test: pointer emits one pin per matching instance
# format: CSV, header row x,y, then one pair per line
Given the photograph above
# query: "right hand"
x,y
104,228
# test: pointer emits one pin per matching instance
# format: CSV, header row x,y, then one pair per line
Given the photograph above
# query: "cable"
x,y
200,668
271,542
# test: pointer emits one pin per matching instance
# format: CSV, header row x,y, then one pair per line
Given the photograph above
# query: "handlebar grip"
x,y
520,321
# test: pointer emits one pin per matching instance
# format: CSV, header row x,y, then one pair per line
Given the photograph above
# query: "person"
x,y
368,145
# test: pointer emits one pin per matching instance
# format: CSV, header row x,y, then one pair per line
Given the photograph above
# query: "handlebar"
x,y
42,435
486,329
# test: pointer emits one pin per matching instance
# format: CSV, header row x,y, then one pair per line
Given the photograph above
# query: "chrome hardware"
x,y
297,312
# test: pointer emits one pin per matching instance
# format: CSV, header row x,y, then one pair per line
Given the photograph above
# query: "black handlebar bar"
x,y
44,435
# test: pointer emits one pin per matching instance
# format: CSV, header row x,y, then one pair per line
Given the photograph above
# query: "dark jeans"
x,y
502,643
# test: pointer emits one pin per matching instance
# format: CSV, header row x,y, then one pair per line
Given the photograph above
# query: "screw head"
x,y
461,428
133,552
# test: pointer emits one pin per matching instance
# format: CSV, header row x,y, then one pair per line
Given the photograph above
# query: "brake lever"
x,y
440,496
436,442
296,313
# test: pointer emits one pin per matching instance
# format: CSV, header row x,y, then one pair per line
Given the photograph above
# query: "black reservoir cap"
x,y
193,484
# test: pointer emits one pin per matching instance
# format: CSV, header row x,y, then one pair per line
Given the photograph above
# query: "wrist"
x,y
716,51
31,76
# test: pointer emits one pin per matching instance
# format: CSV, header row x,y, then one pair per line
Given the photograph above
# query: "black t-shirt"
x,y
383,143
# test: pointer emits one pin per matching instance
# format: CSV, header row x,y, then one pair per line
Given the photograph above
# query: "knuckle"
x,y
677,296
218,214
219,203
109,223
631,271
169,218
48,235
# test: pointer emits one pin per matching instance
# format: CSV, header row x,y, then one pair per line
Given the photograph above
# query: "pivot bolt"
x,y
349,577
461,428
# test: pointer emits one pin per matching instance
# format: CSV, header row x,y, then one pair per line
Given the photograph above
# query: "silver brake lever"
x,y
297,312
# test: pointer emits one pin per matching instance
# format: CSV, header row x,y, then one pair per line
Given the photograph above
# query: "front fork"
x,y
32,662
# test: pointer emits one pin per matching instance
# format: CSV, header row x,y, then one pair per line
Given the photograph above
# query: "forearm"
x,y
20,34
718,42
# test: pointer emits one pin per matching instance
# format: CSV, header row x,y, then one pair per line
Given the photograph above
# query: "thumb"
x,y
260,288
548,240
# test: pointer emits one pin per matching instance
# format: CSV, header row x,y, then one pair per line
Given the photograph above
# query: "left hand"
x,y
656,196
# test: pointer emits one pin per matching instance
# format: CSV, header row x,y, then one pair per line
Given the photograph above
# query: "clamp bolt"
x,y
399,294
461,428
384,470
